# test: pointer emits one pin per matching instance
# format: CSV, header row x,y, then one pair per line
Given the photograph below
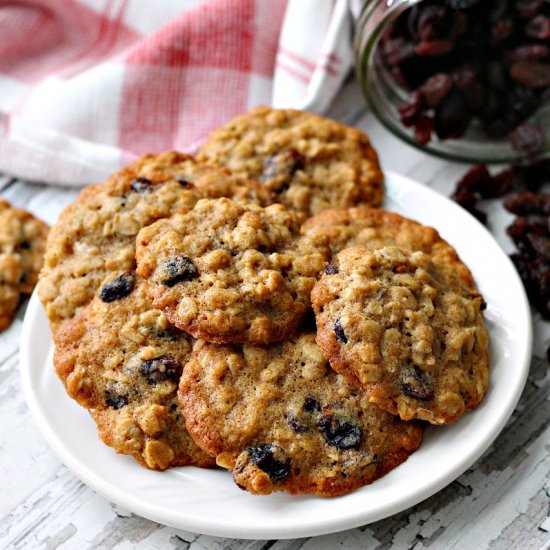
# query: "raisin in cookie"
x,y
229,272
96,234
376,228
407,330
122,360
22,244
309,161
280,419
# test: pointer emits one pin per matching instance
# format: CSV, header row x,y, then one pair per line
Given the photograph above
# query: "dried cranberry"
x,y
295,425
263,456
434,48
160,369
475,178
331,269
184,182
411,109
452,117
423,129
527,203
339,332
502,30
436,89
416,383
340,434
116,401
531,74
528,139
538,28
118,288
397,50
140,185
431,22
178,269
311,405
501,184
540,245
283,165
529,52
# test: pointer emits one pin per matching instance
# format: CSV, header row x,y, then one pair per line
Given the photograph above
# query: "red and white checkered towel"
x,y
88,85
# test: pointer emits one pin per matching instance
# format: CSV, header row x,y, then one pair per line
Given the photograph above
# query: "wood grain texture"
x,y
501,502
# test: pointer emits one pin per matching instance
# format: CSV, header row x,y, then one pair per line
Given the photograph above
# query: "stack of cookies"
x,y
253,308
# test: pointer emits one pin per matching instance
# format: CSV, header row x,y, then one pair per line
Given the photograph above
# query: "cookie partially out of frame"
x,y
22,244
230,272
310,162
407,330
122,360
280,419
375,228
95,235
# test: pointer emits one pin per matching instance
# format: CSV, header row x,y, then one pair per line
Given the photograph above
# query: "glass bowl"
x,y
384,94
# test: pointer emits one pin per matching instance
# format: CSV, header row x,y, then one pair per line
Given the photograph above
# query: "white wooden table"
x,y
502,502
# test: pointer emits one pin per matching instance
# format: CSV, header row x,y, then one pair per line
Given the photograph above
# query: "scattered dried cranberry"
x,y
283,165
528,139
311,405
263,456
184,182
436,89
340,433
530,52
118,288
140,185
116,401
178,269
415,383
527,203
339,331
410,111
161,369
530,230
539,28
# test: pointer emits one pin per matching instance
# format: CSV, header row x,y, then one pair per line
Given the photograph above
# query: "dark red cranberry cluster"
x,y
465,60
530,230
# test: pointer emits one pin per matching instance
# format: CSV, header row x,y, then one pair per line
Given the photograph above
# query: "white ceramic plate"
x,y
207,501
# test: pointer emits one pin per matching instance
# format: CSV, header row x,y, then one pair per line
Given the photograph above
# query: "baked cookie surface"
x,y
375,228
95,235
280,419
229,272
309,161
122,360
408,331
22,244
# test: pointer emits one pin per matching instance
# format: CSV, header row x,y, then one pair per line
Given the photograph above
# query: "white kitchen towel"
x,y
86,86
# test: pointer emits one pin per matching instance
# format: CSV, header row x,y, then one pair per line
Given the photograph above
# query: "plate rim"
x,y
218,527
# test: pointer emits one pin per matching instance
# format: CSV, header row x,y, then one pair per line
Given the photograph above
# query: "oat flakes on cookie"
x,y
230,272
280,419
95,235
122,360
22,244
375,228
407,330
309,161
